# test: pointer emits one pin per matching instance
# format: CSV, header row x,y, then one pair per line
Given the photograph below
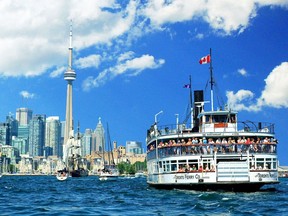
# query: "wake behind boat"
x,y
215,152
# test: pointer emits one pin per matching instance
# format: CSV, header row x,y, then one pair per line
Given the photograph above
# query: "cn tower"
x,y
69,76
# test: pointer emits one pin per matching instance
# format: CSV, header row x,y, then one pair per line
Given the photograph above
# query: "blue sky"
x,y
132,59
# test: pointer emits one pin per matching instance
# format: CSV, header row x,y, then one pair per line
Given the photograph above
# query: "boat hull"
x,y
223,186
62,178
107,177
62,175
79,173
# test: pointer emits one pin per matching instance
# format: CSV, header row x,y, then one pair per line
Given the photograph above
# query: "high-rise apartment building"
x,y
23,134
13,125
23,116
86,142
8,130
53,137
37,135
4,133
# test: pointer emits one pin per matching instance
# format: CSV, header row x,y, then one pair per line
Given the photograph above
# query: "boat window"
x,y
160,164
193,162
206,164
174,165
167,168
259,163
232,118
182,161
220,118
274,163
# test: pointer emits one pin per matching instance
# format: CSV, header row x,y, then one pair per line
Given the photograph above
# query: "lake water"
x,y
45,195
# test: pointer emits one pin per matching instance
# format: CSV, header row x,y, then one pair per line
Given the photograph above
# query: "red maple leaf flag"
x,y
205,59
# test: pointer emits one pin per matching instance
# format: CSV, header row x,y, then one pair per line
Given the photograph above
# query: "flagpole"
x,y
211,80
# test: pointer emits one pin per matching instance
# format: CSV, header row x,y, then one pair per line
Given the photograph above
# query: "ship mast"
x,y
191,106
211,81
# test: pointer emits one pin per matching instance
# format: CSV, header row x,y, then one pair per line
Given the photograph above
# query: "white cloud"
x,y
241,100
126,66
161,12
125,56
222,15
88,61
38,39
58,72
275,93
242,72
136,65
229,16
26,94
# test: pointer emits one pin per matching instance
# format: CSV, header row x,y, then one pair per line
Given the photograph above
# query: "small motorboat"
x,y
62,175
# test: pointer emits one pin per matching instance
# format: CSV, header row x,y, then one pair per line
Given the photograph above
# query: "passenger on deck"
x,y
189,142
187,168
266,140
180,169
194,140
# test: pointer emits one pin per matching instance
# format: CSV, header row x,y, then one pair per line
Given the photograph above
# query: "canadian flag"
x,y
205,59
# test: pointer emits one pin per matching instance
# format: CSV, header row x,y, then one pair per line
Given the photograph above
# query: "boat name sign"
x,y
188,176
269,175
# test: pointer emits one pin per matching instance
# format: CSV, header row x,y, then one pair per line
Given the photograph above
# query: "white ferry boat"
x,y
216,151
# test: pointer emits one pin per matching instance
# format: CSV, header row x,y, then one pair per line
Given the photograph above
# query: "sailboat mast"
x,y
211,81
110,146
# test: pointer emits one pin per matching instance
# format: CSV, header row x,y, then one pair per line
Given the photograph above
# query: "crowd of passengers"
x,y
210,146
194,168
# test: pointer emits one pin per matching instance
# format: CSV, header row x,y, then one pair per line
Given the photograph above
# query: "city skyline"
x,y
51,128
133,58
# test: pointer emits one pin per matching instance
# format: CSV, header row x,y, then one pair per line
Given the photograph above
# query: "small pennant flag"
x,y
205,59
187,86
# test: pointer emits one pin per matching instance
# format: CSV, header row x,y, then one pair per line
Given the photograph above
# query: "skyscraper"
x,y
53,136
37,135
86,142
98,143
69,76
23,116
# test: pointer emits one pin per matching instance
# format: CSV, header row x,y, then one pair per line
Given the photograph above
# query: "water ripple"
x,y
44,195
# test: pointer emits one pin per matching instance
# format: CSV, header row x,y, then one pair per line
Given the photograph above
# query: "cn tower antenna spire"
x,y
70,46
71,30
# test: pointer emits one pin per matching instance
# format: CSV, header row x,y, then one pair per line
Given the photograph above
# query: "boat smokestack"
x,y
198,97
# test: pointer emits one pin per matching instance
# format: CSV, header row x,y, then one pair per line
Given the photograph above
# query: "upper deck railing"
x,y
243,126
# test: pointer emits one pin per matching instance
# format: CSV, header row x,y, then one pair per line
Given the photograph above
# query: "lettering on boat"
x,y
187,176
266,175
